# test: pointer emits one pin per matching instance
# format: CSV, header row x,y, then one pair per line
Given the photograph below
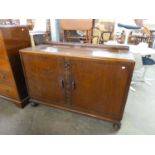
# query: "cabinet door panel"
x,y
100,87
44,77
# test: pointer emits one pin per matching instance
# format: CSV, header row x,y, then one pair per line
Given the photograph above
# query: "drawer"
x,y
8,91
3,54
1,35
4,65
6,78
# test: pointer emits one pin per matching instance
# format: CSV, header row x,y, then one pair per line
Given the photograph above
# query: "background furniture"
x,y
140,51
40,32
37,38
12,83
137,70
140,38
104,29
9,21
103,33
127,29
152,39
90,80
84,25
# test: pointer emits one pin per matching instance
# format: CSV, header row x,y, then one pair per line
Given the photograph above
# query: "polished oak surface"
x,y
12,82
73,78
83,52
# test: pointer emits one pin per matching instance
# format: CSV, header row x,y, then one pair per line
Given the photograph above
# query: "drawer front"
x,y
4,65
6,78
3,54
8,91
1,35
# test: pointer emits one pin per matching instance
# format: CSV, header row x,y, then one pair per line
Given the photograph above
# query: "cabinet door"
x,y
44,74
100,88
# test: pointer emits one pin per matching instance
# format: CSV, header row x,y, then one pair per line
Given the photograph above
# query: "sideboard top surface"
x,y
83,52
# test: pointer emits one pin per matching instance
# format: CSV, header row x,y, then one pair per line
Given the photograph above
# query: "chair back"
x,y
76,24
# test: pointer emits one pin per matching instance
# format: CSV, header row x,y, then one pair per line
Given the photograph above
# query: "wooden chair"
x,y
106,29
84,25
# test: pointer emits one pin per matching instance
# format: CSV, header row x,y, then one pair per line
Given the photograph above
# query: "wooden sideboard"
x,y
12,82
90,80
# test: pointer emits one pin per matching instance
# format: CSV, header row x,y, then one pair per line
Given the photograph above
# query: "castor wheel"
x,y
117,126
34,104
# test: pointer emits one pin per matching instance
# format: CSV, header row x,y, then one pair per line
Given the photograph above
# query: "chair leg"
x,y
32,41
142,78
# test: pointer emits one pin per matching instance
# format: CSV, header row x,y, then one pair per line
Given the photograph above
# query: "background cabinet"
x,y
79,81
12,82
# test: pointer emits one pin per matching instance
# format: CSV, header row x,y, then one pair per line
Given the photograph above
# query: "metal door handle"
x,y
62,84
73,85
